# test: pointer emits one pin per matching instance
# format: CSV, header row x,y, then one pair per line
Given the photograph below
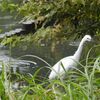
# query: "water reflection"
x,y
50,53
9,21
5,17
15,65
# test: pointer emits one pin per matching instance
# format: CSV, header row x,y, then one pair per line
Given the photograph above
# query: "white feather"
x,y
60,68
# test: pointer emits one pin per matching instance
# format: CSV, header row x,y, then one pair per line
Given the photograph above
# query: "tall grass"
x,y
80,84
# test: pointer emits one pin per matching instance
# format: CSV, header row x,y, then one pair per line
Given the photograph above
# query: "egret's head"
x,y
87,38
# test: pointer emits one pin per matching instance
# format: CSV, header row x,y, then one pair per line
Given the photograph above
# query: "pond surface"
x,y
8,22
47,52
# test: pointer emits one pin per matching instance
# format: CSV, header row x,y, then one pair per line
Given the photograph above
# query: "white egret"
x,y
60,68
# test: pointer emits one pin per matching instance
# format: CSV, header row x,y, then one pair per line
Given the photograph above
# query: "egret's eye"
x,y
89,38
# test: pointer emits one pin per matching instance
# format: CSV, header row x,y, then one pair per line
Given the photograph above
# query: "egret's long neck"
x,y
79,51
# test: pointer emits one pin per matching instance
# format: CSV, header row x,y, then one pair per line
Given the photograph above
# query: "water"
x,y
46,52
8,22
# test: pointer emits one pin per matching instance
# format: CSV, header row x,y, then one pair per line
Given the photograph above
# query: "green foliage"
x,y
6,5
73,16
59,19
80,84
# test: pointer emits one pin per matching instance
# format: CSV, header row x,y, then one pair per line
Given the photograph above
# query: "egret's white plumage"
x,y
66,63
